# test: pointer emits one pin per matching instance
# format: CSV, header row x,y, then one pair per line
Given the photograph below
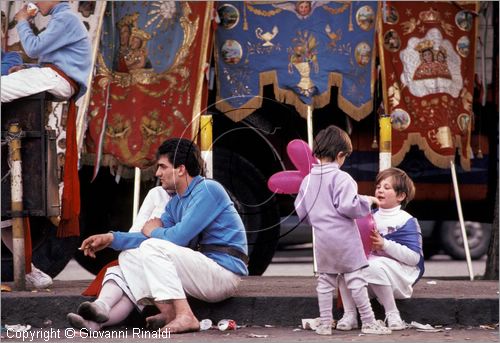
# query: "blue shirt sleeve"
x,y
58,34
127,240
9,60
204,207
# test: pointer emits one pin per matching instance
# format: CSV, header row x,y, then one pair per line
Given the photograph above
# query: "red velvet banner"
x,y
427,52
146,87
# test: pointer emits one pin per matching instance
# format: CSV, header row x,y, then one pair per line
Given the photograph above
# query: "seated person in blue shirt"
x,y
63,52
10,59
198,248
36,278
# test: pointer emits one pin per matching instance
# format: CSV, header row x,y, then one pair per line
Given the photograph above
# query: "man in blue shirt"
x,y
63,52
198,247
10,59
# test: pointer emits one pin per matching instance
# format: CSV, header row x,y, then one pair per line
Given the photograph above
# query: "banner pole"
x,y
310,142
461,219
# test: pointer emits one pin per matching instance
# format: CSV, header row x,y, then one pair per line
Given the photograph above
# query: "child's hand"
x,y
375,201
22,14
377,240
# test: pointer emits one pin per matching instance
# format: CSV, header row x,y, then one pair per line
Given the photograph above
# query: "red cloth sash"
x,y
69,226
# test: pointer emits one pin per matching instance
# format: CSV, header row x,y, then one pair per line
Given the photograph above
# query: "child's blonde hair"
x,y
401,183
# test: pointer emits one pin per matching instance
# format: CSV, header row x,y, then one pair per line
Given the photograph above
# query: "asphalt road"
x,y
298,262
261,334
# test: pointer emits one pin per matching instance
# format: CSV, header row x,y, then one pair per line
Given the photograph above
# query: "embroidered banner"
x,y
427,54
148,72
302,48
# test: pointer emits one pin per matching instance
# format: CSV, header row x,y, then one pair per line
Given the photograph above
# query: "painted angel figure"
x,y
303,9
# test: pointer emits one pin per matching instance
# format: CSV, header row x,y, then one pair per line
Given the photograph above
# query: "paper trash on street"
x,y
424,328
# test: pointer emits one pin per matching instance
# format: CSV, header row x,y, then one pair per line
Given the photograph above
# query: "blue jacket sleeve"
x,y
9,60
204,207
59,33
127,240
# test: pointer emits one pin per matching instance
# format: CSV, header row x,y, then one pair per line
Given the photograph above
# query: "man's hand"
x,y
150,225
22,14
377,240
15,68
95,243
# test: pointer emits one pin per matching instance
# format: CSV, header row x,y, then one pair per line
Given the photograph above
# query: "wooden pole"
x,y
206,144
310,140
81,122
385,146
16,184
137,193
461,219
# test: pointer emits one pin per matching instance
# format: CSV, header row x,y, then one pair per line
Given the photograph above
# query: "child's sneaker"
x,y
324,329
394,321
375,328
348,322
37,278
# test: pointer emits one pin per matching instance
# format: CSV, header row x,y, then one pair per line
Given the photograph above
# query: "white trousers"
x,y
32,81
161,271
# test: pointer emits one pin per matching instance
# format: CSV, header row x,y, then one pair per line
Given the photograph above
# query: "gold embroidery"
x,y
341,9
263,13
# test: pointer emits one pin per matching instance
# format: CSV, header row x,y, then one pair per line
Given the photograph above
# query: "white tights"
x,y
352,286
383,293
117,303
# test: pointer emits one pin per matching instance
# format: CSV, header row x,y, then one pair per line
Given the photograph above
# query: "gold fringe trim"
x,y
291,98
441,161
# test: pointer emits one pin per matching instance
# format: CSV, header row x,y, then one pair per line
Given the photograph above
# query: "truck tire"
x,y
50,253
478,235
247,188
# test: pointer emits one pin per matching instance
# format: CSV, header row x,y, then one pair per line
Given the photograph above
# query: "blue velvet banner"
x,y
302,48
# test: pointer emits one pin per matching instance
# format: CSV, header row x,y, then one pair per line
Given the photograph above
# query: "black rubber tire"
x,y
50,254
255,203
478,236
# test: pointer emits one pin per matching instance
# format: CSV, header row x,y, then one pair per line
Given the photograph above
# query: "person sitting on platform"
x,y
197,248
63,52
34,277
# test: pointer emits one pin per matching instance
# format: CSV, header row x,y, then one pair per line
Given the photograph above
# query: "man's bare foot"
x,y
183,323
156,322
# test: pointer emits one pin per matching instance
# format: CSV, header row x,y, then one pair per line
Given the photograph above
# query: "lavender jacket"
x,y
328,198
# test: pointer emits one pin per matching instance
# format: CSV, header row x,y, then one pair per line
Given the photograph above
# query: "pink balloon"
x,y
285,182
301,156
365,226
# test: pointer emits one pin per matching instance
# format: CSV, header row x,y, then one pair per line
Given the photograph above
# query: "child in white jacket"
x,y
396,261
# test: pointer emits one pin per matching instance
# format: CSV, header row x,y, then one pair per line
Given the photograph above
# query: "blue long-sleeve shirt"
x,y
204,213
9,60
64,42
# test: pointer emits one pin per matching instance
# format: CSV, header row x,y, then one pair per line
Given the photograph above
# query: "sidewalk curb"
x,y
275,301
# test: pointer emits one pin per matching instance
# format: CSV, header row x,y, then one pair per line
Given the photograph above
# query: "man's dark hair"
x,y
182,151
330,141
